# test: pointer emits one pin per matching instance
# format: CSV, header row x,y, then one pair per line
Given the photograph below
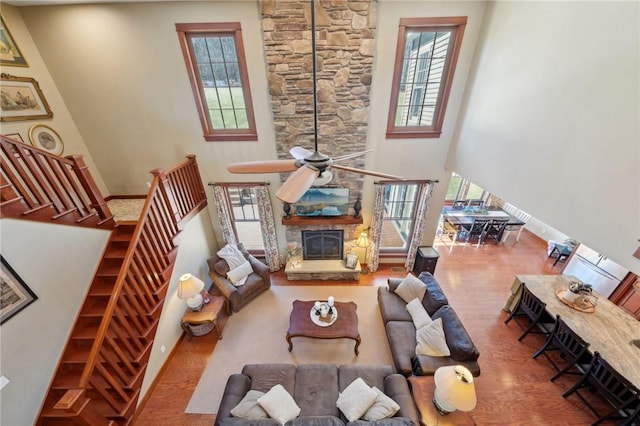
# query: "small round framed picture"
x,y
44,137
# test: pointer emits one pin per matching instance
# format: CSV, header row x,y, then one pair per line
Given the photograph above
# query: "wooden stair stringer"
x,y
76,352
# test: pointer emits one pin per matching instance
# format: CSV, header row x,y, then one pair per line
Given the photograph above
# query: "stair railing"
x,y
120,351
38,185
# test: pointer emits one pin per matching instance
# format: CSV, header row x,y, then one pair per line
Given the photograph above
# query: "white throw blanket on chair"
x,y
240,268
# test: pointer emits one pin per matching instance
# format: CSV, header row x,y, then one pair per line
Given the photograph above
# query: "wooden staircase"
x,y
101,370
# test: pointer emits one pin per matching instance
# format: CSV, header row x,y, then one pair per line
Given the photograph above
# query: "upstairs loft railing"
x,y
106,388
38,185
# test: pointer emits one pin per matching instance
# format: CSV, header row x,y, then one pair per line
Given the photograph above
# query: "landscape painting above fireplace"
x,y
323,202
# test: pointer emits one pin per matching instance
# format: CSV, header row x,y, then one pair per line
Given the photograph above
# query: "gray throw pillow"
x,y
249,408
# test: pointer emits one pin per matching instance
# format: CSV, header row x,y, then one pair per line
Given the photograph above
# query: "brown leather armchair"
x,y
257,282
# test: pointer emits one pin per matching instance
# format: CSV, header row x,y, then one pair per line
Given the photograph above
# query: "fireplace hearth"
x,y
323,244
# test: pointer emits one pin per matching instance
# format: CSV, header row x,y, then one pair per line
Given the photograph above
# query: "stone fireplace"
x,y
345,47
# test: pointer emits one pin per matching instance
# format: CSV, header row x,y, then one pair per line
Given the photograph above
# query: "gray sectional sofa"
x,y
315,389
401,332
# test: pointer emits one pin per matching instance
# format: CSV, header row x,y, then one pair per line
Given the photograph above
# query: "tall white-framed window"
x,y
398,219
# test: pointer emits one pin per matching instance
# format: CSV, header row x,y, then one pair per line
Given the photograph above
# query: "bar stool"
x,y
618,391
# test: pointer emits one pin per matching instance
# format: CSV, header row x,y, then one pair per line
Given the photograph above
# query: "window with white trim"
x,y
399,212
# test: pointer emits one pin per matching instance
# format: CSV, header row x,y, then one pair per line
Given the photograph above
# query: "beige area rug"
x,y
257,333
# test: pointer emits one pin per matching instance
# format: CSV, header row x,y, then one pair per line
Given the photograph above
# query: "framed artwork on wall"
x,y
44,137
9,52
15,294
22,99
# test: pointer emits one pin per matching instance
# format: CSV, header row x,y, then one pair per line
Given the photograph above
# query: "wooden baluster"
x,y
89,185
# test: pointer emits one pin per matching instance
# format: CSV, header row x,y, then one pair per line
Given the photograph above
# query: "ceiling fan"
x,y
309,168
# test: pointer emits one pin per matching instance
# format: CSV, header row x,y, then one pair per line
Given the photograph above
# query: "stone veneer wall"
x,y
345,45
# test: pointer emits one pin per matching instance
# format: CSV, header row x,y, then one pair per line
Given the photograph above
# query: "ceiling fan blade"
x,y
300,153
267,166
355,154
367,172
297,184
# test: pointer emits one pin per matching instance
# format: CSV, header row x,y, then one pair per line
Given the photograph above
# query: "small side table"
x,y
199,323
562,251
422,388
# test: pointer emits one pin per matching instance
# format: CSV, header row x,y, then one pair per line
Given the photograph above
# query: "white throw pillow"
x,y
431,340
411,288
236,275
418,314
383,407
279,404
356,399
248,407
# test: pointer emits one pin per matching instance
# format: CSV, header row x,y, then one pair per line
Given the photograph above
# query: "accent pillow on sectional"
x,y
279,404
356,399
382,408
249,408
411,288
431,340
418,313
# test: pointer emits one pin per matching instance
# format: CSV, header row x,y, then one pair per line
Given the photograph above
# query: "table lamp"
x,y
190,287
454,389
363,241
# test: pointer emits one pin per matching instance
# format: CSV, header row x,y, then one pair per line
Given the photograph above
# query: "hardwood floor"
x,y
513,389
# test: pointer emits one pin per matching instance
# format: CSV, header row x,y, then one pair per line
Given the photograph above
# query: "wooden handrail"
x,y
135,302
41,186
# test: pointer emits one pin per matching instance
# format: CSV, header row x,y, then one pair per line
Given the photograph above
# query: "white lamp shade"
x,y
363,240
454,384
189,286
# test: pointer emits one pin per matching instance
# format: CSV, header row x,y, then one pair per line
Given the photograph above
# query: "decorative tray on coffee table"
x,y
320,322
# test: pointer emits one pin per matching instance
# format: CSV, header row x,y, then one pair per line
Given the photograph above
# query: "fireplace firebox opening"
x,y
323,245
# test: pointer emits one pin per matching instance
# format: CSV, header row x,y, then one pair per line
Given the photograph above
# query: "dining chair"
x,y
460,204
474,229
572,348
493,230
448,229
601,377
517,229
476,203
534,310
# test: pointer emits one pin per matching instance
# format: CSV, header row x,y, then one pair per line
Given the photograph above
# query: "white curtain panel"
x,y
376,227
268,227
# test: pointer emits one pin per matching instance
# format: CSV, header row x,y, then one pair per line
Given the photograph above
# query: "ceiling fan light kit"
x,y
309,168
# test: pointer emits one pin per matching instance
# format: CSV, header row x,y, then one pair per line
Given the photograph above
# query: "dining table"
x,y
609,329
462,219
466,215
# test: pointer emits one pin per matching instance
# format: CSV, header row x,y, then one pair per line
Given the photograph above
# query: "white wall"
x,y
551,118
62,122
57,262
196,244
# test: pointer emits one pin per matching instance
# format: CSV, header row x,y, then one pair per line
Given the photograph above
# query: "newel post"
x,y
85,178
196,177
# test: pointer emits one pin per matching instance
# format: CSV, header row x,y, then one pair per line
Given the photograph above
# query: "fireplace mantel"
x,y
321,220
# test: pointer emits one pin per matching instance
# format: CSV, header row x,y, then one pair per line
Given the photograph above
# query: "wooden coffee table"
x,y
345,327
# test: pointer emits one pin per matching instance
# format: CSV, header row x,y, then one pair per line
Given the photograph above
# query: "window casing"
x,y
215,60
426,57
